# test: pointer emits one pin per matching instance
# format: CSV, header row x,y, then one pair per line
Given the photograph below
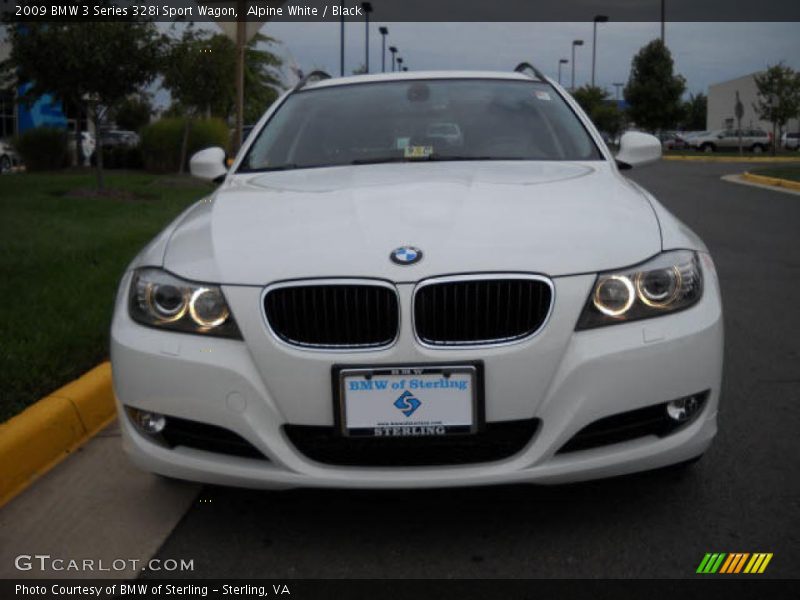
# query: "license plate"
x,y
408,401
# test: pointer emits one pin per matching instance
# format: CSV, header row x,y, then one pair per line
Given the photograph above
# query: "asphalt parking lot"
x,y
744,496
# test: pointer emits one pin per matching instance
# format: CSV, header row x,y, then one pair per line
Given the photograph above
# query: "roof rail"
x,y
310,78
527,69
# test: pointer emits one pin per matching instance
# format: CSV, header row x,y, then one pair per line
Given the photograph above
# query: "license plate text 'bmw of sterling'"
x,y
416,280
408,401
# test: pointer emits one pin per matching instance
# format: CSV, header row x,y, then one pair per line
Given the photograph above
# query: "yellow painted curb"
x,y
776,181
40,437
731,159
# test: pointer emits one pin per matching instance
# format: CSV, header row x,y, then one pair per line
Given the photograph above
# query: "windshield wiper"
x,y
286,167
430,158
378,161
384,160
435,157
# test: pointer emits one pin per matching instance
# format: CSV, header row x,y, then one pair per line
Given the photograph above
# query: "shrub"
x,y
161,141
43,148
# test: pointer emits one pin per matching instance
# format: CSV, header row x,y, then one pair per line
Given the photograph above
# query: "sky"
x,y
704,53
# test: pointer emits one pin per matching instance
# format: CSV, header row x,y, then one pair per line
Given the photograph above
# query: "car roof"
x,y
417,75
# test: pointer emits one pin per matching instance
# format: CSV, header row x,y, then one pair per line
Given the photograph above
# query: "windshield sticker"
x,y
418,151
542,95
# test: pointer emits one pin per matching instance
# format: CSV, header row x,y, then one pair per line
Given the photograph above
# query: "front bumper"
x,y
566,379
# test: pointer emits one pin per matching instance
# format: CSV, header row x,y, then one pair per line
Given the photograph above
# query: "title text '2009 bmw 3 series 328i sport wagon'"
x,y
418,280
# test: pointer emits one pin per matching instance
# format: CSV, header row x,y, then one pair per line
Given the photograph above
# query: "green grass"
x,y
792,173
61,257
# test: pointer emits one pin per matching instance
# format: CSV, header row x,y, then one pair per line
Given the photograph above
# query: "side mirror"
x,y
637,149
208,164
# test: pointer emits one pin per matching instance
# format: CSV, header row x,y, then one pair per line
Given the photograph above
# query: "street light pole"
x,y
574,43
241,48
663,19
383,31
561,61
367,8
399,64
393,50
597,19
341,41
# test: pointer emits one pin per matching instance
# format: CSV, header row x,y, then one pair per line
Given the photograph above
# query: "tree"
x,y
196,71
133,113
653,92
695,110
199,71
602,110
94,65
778,98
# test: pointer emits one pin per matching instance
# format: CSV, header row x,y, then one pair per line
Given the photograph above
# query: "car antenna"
x,y
311,78
527,68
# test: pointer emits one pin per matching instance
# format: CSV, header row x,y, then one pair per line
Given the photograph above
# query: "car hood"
x,y
554,218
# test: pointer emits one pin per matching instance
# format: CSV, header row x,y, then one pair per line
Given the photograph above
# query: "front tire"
x,y
707,148
5,164
757,149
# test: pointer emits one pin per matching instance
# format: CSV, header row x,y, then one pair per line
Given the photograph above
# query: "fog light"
x,y
683,409
148,422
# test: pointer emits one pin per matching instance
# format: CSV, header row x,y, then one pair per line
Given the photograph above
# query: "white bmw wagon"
x,y
418,280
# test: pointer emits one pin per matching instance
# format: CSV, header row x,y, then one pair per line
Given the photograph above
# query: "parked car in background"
x,y
672,141
88,144
791,141
8,157
754,140
689,136
119,137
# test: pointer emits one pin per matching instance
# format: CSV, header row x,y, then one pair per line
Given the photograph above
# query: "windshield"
x,y
417,120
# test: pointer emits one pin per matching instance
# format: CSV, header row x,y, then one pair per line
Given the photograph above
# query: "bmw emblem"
x,y
406,255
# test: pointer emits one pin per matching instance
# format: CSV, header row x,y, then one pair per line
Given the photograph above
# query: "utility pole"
x,y
574,43
738,110
367,8
561,61
663,20
341,41
383,31
597,19
241,44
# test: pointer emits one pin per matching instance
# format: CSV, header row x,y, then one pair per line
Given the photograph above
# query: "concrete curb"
x,y
774,181
45,433
735,159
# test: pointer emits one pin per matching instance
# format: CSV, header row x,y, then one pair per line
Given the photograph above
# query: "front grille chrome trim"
x,y
338,348
492,343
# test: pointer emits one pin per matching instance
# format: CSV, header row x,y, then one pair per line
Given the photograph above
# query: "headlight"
x,y
162,300
670,282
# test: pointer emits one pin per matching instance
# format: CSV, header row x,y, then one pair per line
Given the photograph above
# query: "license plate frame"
x,y
339,374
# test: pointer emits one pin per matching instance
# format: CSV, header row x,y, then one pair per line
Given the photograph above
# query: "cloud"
x,y
704,53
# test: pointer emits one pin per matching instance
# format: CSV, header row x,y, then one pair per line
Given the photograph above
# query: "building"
x,y
16,117
722,105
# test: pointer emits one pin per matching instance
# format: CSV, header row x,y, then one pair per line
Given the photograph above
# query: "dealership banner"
x,y
401,10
